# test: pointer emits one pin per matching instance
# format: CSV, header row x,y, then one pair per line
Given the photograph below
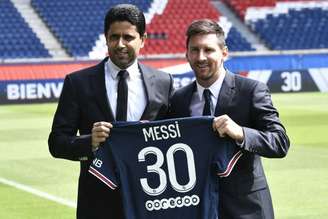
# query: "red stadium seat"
x,y
173,23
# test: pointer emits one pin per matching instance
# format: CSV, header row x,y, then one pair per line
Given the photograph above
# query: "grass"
x,y
298,182
24,158
19,204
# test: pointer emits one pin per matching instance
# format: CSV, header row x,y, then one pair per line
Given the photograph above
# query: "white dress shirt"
x,y
137,98
198,100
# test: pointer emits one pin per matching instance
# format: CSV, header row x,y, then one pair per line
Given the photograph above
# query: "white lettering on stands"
x,y
30,91
43,91
34,91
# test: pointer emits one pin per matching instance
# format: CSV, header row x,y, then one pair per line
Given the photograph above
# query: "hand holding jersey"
x,y
225,126
90,96
244,112
99,133
165,169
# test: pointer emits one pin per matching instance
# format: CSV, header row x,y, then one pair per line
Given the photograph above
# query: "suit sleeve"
x,y
63,140
268,137
167,93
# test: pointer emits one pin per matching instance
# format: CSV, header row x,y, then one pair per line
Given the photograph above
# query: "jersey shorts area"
x,y
166,169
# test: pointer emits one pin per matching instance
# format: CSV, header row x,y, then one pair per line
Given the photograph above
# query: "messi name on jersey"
x,y
162,132
166,169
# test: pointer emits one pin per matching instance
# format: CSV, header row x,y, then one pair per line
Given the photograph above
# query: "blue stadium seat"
x,y
236,42
78,23
17,40
299,29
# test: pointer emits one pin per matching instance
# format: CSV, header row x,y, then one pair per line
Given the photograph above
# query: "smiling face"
x,y
206,57
124,43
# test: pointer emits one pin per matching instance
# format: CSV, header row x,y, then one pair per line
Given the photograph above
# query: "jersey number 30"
x,y
156,168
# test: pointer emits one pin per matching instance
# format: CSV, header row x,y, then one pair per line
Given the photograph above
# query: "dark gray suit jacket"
x,y
83,101
245,193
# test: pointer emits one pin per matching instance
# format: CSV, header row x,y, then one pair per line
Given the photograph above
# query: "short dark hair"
x,y
206,26
126,12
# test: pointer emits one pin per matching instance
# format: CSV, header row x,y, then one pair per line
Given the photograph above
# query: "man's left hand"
x,y
225,126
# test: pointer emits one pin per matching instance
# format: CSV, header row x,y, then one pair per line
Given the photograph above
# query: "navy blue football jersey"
x,y
166,169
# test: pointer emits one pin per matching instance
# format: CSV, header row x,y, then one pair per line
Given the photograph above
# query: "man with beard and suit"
x,y
243,111
119,88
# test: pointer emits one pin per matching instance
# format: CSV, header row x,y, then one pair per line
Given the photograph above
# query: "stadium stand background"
x,y
282,43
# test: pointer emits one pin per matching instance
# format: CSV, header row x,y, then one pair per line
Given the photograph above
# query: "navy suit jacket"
x,y
83,101
245,193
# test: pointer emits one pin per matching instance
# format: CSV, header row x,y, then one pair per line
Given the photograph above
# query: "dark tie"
x,y
122,96
208,102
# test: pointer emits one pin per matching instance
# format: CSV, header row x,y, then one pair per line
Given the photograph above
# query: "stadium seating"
x,y
169,28
286,25
236,42
304,29
17,40
77,23
172,24
240,6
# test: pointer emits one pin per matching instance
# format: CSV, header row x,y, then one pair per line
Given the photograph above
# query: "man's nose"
x,y
121,42
201,55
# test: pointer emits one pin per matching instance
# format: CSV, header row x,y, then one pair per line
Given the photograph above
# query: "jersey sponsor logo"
x,y
177,202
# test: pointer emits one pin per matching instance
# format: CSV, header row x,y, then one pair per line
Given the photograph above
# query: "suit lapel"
x,y
226,94
186,99
148,78
98,85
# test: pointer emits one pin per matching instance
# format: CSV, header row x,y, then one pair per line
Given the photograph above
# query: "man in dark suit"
x,y
118,88
243,111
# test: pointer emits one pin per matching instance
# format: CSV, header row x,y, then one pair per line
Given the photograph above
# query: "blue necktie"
x,y
208,102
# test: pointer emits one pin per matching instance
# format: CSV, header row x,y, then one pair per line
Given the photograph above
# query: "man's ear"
x,y
106,38
225,52
143,39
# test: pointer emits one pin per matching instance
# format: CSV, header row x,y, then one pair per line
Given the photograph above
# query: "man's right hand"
x,y
100,132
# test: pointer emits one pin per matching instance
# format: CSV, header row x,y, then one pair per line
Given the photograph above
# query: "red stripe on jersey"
x,y
231,164
104,179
